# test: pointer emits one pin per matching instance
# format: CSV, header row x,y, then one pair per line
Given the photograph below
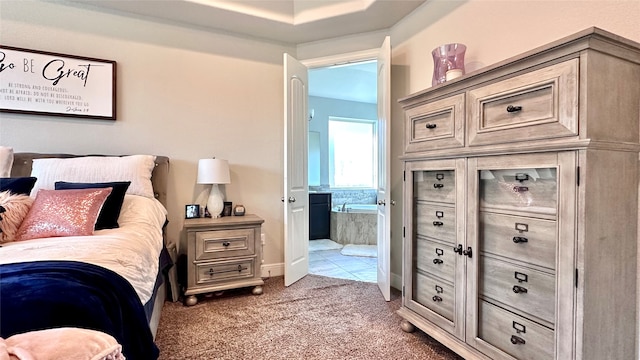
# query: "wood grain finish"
x,y
564,236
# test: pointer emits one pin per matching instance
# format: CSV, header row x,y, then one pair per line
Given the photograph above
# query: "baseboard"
x,y
396,281
270,270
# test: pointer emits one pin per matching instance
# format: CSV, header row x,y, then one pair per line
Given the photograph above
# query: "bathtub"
x,y
357,208
358,224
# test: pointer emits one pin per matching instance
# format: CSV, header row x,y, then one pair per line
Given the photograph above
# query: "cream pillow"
x,y
6,161
13,210
92,169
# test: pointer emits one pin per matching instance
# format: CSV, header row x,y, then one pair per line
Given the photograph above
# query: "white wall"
x,y
184,93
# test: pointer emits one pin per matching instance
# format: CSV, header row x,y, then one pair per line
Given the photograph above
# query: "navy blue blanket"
x,y
46,294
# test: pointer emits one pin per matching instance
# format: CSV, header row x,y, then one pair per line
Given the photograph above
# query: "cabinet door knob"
x,y
458,249
292,199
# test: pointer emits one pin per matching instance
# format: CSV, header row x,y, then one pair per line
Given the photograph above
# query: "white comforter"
x,y
132,250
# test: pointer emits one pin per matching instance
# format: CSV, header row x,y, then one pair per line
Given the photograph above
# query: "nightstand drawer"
x,y
224,243
215,272
538,105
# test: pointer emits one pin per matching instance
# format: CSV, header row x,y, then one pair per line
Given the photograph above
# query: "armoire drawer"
x,y
540,104
217,244
435,258
527,290
524,239
436,221
523,189
513,334
438,124
434,294
438,186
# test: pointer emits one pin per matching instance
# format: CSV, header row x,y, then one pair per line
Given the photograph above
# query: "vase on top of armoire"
x,y
448,62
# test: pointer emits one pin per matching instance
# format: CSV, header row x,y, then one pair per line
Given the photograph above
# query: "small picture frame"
x,y
192,211
226,210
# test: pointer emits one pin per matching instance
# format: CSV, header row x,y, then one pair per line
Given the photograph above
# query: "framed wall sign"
x,y
45,83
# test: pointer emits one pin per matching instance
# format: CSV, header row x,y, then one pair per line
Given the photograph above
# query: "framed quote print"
x,y
46,83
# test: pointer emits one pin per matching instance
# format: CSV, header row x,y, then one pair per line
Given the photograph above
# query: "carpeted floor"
x,y
315,318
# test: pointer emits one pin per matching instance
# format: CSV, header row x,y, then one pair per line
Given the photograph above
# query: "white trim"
x,y
271,270
339,59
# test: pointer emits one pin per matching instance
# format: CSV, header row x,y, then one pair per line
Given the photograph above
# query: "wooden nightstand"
x,y
223,253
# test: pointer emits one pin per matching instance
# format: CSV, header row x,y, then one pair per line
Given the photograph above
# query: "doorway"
x,y
342,168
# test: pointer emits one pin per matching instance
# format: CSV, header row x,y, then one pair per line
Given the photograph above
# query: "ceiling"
x,y
284,21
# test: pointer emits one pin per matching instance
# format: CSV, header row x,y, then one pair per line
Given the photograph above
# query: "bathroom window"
x,y
352,153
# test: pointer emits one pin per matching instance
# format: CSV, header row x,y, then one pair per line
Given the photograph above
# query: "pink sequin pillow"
x,y
63,213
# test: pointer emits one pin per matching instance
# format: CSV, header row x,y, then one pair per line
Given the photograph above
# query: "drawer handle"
x,y
431,126
438,223
226,243
438,186
437,261
519,289
520,189
240,268
520,239
516,340
512,109
436,298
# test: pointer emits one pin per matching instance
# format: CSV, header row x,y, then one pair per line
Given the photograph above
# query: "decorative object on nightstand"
x,y
214,171
222,254
239,210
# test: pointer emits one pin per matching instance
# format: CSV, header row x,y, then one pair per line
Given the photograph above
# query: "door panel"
x,y
296,194
384,170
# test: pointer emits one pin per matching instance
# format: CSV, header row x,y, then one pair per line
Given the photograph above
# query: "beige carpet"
x,y
315,318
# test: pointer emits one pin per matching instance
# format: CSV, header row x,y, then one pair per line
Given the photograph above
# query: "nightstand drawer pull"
x,y
430,126
239,269
226,243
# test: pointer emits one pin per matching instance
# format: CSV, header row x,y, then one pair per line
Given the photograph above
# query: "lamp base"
x,y
215,202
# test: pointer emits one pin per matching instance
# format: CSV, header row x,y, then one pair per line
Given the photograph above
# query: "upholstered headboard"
x,y
159,177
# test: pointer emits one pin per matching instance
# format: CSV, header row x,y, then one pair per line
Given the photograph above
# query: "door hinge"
x,y
403,233
576,279
402,290
578,176
404,175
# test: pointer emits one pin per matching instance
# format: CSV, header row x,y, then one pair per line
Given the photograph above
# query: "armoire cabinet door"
x,y
521,227
434,278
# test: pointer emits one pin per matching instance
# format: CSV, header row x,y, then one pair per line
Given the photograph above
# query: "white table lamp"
x,y
214,171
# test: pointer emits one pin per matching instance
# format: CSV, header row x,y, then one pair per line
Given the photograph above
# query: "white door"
x,y
296,192
384,169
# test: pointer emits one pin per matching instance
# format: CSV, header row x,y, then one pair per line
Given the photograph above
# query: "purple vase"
x,y
447,57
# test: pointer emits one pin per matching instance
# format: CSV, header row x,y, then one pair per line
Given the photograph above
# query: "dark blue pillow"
x,y
18,185
108,218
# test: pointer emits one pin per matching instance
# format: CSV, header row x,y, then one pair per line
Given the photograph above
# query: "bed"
x,y
112,280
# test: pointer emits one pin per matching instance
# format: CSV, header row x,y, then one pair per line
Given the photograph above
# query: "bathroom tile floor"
x,y
332,263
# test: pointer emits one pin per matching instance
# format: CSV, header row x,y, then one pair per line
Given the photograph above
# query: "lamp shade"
x,y
213,171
